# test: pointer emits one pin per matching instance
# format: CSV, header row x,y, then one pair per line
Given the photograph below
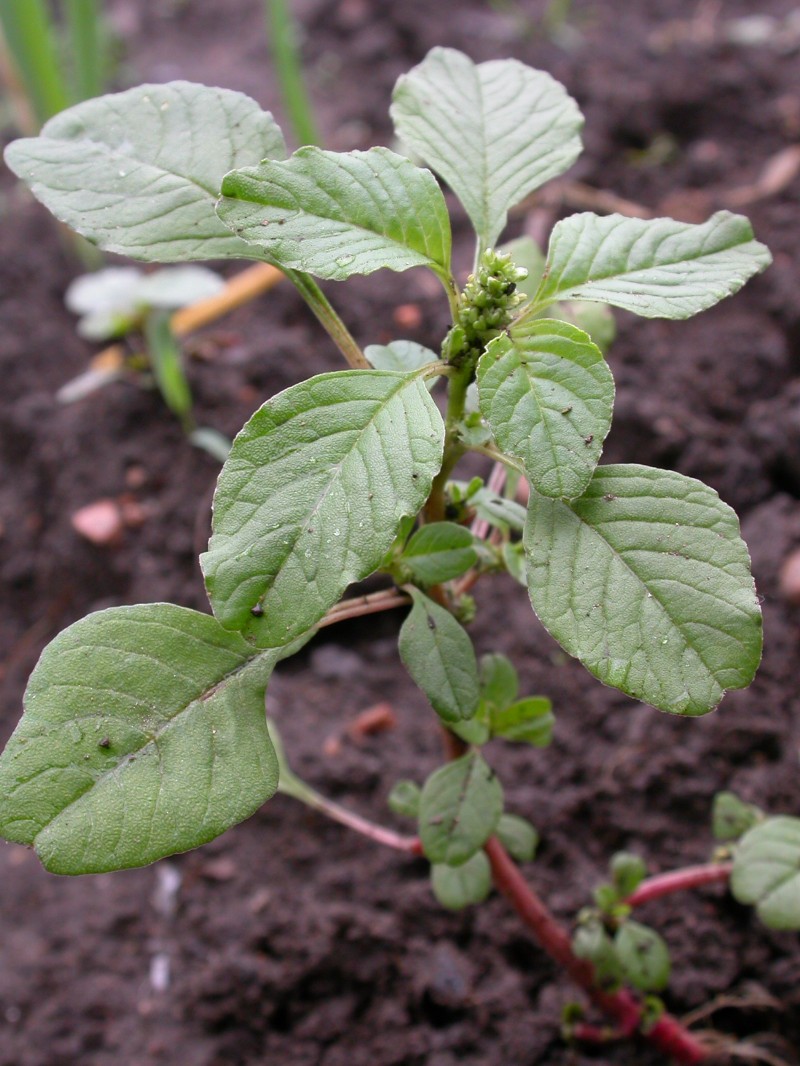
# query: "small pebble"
x,y
790,577
377,719
408,316
99,522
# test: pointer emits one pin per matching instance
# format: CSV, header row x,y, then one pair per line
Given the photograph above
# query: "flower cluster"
x,y
486,307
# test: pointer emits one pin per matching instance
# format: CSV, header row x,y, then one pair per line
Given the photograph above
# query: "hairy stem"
x,y
337,330
667,1034
372,603
458,383
379,833
679,880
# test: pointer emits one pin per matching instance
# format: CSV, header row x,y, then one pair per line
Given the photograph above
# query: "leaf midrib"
x,y
652,595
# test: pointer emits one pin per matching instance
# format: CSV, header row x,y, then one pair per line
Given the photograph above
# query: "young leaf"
x,y
518,837
514,561
592,942
404,356
167,364
404,798
646,580
643,957
457,887
529,721
766,872
658,268
627,872
475,730
178,286
499,680
496,510
459,810
144,734
334,214
130,173
439,552
547,394
732,817
438,653
494,131
312,494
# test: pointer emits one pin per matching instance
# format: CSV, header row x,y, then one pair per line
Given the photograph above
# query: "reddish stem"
x,y
678,880
374,602
667,1034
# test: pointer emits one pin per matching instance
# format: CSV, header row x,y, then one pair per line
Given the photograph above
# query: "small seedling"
x,y
124,302
144,732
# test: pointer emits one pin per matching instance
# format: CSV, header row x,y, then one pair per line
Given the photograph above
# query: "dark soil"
x,y
288,940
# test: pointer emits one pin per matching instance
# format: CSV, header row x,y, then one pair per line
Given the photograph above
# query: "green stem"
x,y
337,330
282,33
499,457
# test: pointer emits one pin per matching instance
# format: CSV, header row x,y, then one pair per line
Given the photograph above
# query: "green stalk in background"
x,y
282,40
84,22
31,41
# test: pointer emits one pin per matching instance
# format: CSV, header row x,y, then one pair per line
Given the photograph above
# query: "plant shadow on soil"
x,y
287,940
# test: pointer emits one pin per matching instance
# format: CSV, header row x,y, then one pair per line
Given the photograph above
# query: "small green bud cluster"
x,y
487,304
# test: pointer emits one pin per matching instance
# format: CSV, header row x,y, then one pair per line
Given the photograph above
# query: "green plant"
x,y
144,731
122,302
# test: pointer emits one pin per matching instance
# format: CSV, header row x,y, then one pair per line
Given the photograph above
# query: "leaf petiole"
x,y
327,316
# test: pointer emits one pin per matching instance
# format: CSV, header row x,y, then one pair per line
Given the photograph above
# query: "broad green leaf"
x,y
439,552
460,807
334,214
139,172
312,495
518,837
457,887
499,680
404,356
144,734
529,721
658,268
404,798
592,942
646,580
766,871
732,817
643,957
627,872
547,394
494,131
438,653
